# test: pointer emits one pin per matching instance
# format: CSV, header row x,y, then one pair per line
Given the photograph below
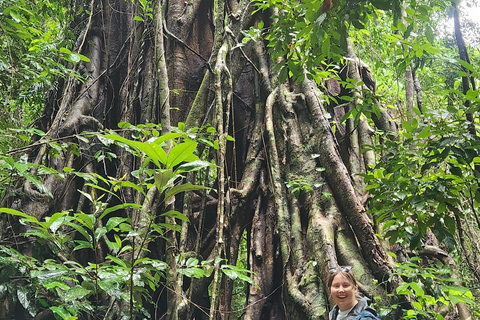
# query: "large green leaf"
x,y
419,292
115,221
182,188
181,152
163,178
25,299
154,152
25,216
55,221
119,207
194,166
49,275
175,214
76,292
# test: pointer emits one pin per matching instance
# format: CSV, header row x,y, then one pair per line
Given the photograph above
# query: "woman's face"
x,y
343,292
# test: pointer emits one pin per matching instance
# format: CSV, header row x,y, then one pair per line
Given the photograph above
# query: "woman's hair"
x,y
346,272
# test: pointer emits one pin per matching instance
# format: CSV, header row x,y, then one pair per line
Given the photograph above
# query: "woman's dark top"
x,y
361,311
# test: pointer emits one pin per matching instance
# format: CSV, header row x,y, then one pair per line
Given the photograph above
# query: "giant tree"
x,y
292,115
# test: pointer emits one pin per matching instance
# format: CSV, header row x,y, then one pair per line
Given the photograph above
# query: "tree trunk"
x,y
180,66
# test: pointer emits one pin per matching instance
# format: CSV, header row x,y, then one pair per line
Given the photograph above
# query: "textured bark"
x,y
468,81
409,78
409,90
180,67
418,87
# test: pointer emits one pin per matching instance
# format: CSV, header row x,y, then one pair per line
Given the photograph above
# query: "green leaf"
x,y
376,110
230,273
245,278
175,214
119,207
154,152
163,178
466,65
403,289
87,220
114,222
326,47
54,222
25,216
457,299
192,272
182,188
194,166
129,184
56,284
82,231
180,153
23,298
429,34
83,58
73,57
471,94
15,16
118,261
415,240
21,167
82,244
282,77
50,274
124,125
424,133
76,292
115,137
65,50
38,184
191,262
419,292
100,232
417,305
115,246
167,136
61,311
458,294
321,18
168,226
407,126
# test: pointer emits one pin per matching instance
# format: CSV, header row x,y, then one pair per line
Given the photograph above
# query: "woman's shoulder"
x,y
368,314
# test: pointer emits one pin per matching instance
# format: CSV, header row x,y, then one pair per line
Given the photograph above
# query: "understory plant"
x,y
65,273
424,192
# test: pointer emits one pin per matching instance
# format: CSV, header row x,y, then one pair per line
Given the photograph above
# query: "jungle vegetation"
x,y
213,159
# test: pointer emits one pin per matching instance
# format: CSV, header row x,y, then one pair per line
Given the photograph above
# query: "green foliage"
x,y
71,288
426,179
307,35
428,287
13,170
32,41
299,185
146,7
240,287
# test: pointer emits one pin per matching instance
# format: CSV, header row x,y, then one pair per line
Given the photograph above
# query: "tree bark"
x,y
181,65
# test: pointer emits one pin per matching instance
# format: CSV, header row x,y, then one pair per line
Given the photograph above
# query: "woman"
x,y
349,305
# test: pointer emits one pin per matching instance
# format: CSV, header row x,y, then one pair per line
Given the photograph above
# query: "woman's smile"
x,y
343,292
